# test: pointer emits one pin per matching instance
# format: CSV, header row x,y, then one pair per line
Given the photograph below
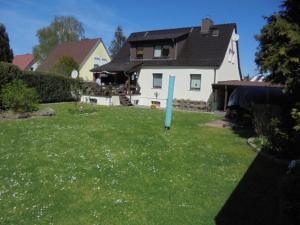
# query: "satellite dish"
x,y
74,74
235,37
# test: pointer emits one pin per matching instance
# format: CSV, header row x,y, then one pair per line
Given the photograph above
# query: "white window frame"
x,y
153,82
191,82
157,51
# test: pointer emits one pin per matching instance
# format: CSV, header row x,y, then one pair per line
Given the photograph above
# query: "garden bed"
x,y
10,115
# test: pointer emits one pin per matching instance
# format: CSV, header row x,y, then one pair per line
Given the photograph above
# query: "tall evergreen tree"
x,y
62,29
6,53
118,42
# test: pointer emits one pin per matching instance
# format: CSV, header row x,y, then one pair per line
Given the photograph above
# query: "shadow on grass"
x,y
255,201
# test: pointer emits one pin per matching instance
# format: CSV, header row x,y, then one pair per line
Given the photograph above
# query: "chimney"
x,y
206,24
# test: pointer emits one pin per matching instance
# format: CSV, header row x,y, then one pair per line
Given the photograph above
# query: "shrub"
x,y
18,97
52,87
8,73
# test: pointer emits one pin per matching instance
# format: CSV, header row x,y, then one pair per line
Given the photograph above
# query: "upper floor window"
x,y
139,52
161,51
98,61
231,56
157,80
195,83
165,51
157,51
215,32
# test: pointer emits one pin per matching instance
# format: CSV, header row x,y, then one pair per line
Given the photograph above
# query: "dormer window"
x,y
157,51
166,51
161,51
139,52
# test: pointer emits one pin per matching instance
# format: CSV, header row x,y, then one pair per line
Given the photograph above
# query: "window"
x,y
161,51
97,61
157,51
215,32
166,51
155,104
139,52
195,83
157,80
103,61
231,56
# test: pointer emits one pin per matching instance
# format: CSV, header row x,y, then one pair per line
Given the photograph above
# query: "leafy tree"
x,y
118,42
279,57
279,50
62,29
65,66
6,53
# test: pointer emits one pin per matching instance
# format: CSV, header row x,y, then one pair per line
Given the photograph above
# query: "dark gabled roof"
x,y
78,50
169,34
204,50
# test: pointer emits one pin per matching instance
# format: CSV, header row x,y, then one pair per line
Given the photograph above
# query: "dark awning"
x,y
118,67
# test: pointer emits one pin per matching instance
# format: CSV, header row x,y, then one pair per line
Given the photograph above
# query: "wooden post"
x,y
225,98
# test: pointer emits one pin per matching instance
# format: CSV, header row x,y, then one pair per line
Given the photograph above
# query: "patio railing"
x,y
93,89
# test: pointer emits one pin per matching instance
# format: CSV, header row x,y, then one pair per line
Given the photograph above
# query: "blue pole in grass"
x,y
170,102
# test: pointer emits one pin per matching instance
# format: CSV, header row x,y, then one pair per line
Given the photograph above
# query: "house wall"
x,y
182,84
99,51
229,70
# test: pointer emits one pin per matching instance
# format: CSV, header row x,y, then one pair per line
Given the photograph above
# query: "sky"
x,y
23,18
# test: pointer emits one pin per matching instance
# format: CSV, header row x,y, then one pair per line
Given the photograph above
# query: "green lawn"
x,y
117,165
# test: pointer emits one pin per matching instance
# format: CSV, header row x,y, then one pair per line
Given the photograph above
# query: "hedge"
x,y
52,87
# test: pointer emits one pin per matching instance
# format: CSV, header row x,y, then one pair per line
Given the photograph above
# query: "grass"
x,y
117,166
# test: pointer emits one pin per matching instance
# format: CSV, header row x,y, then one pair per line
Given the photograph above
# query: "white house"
x,y
197,56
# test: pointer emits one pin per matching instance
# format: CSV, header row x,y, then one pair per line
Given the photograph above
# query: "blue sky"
x,y
23,18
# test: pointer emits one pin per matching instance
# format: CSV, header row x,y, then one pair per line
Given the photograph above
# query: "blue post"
x,y
170,102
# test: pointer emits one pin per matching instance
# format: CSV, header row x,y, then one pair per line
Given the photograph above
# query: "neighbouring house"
x,y
25,62
88,53
197,56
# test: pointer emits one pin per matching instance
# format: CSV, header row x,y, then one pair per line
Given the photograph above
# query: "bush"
x,y
52,87
18,97
8,73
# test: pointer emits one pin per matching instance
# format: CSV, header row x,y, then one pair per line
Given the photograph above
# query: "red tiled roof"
x,y
23,61
78,50
247,83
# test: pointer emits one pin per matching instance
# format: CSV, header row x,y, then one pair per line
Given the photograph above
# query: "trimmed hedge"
x,y
52,87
